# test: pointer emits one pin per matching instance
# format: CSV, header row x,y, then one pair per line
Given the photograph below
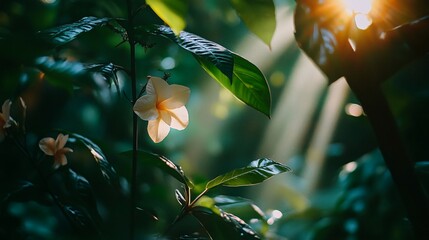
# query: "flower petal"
x,y
165,116
6,109
158,87
179,118
2,121
47,145
145,107
158,130
61,141
179,97
60,160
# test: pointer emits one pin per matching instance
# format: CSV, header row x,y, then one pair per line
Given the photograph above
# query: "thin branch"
x,y
132,43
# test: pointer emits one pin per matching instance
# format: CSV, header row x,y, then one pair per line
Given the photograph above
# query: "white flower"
x,y
55,147
163,106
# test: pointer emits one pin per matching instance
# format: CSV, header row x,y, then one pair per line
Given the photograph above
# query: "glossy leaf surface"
x,y
202,48
66,33
259,16
257,172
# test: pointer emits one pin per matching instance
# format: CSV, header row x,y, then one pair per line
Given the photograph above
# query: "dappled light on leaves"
x,y
55,147
163,106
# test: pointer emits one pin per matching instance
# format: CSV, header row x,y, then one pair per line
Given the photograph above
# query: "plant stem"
x,y
401,167
131,41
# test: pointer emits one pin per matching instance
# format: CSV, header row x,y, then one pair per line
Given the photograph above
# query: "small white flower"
x,y
55,147
163,106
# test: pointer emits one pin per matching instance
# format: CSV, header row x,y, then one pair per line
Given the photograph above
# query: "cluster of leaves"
x,y
216,213
71,192
367,207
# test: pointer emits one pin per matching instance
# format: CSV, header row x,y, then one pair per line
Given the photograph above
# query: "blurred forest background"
x,y
339,187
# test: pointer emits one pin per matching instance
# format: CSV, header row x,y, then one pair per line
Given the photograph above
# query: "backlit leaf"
x,y
322,33
172,12
248,83
259,16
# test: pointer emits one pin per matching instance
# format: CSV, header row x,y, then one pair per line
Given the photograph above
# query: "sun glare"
x,y
358,6
360,10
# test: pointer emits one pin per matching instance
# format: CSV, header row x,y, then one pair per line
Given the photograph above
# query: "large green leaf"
x,y
202,48
259,16
248,83
222,225
163,163
172,12
233,72
106,168
257,172
66,33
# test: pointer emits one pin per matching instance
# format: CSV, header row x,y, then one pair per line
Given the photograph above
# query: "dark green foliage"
x,y
106,168
223,225
66,33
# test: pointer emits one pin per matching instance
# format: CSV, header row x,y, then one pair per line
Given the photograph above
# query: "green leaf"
x,y
202,48
108,71
74,195
257,172
24,191
163,163
248,83
69,74
242,207
61,73
66,33
172,12
259,16
106,168
233,72
223,225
